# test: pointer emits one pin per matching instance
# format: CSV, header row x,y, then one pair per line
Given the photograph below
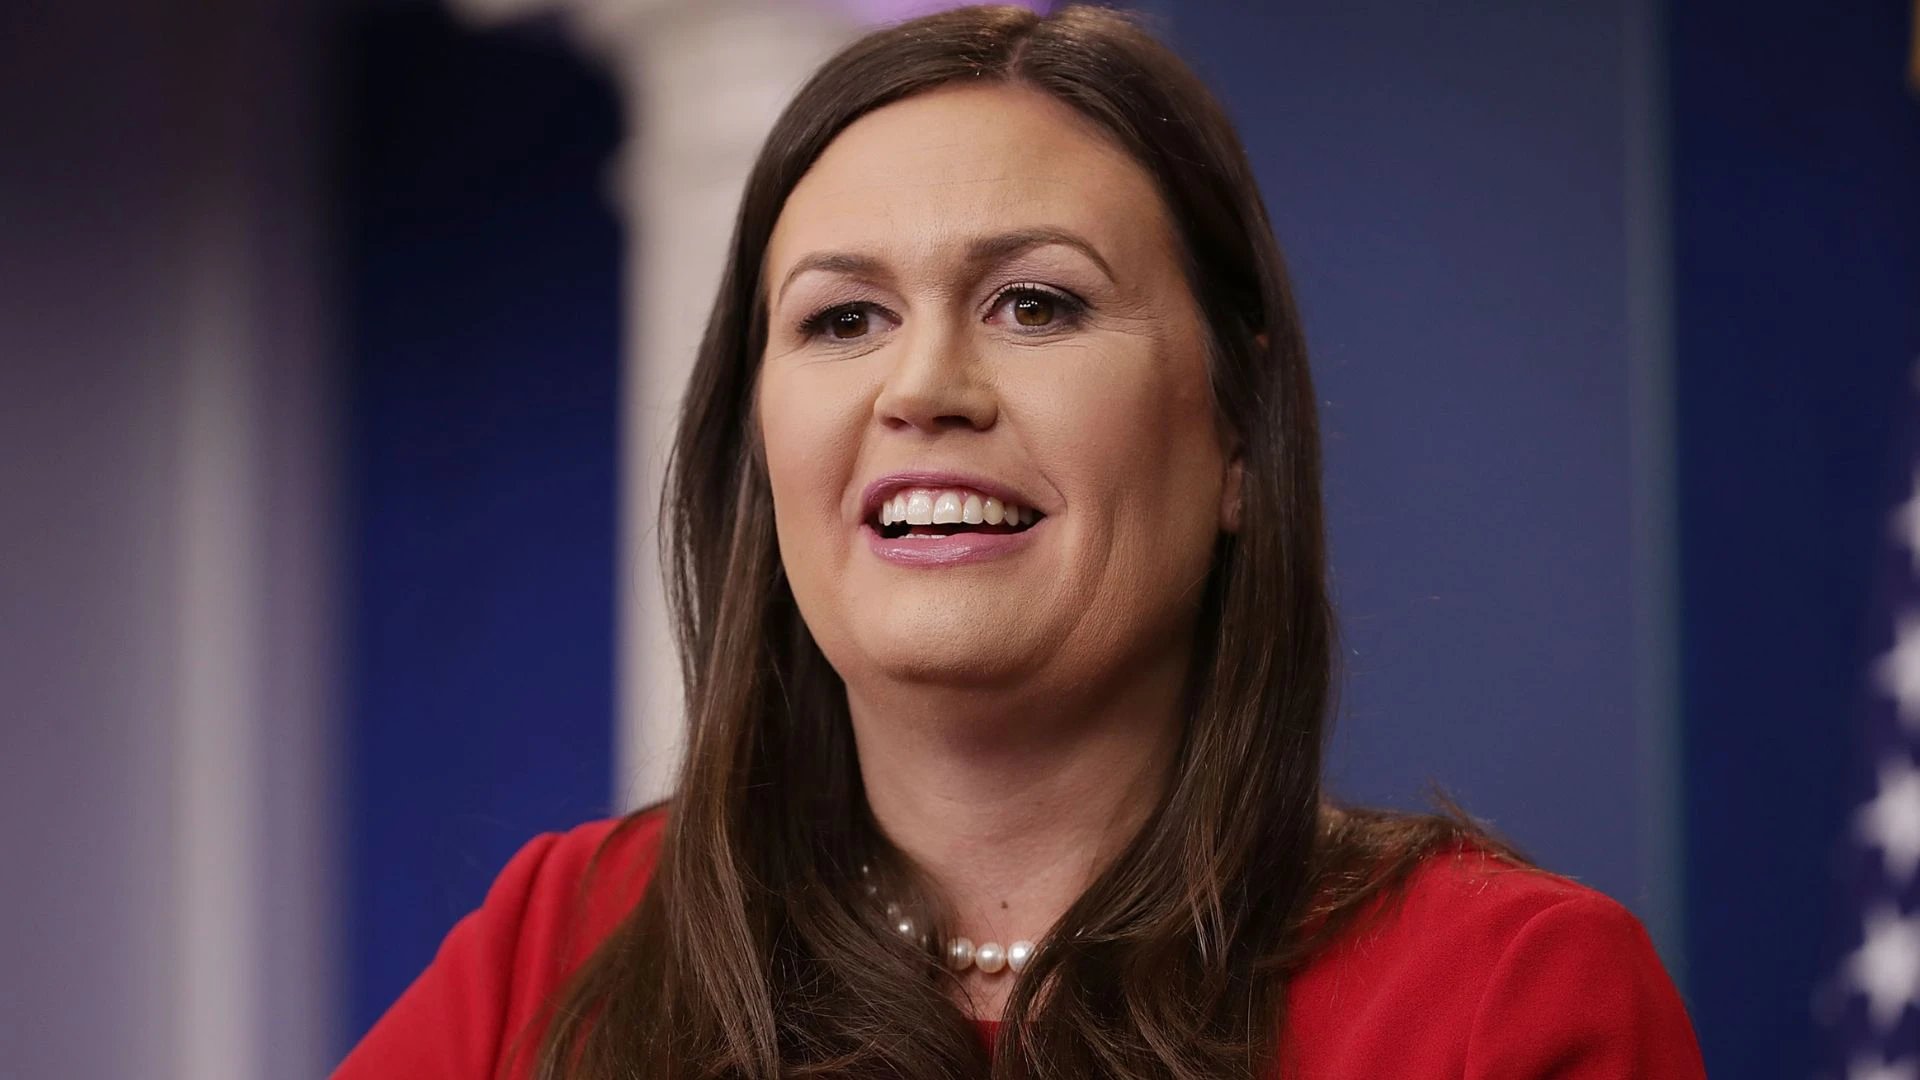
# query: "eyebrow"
x,y
982,252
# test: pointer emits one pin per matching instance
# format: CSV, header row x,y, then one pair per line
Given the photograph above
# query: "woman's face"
x,y
976,302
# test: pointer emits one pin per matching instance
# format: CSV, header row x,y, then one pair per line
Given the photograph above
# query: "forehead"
x,y
921,177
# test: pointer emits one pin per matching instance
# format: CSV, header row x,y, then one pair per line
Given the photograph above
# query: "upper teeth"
x,y
950,506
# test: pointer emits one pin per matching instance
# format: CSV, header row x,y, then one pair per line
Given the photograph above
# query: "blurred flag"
x,y
1873,1003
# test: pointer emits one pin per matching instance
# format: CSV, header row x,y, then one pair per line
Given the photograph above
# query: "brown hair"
x,y
755,951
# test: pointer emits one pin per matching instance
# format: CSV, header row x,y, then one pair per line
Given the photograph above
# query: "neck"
x,y
1012,803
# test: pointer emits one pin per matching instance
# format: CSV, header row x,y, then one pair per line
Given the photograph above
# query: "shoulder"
x,y
574,887
480,1001
563,893
1478,967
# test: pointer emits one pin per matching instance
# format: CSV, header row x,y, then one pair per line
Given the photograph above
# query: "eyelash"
x,y
815,325
1069,309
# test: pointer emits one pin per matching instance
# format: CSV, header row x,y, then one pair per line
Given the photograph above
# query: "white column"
x,y
703,81
164,566
252,712
217,878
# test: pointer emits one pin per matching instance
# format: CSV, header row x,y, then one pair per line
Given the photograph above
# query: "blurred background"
x,y
339,338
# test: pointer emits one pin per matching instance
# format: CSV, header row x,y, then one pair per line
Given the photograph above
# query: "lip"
x,y
955,550
887,485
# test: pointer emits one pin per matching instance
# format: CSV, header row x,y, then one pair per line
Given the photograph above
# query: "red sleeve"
x,y
500,966
450,1023
1480,971
1580,994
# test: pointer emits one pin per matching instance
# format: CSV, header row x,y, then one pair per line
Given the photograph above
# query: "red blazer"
x,y
1479,972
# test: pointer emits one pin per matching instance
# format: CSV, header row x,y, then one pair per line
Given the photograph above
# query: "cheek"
x,y
1137,438
810,430
1135,451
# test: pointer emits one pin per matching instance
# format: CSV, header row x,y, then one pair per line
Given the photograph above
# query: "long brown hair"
x,y
756,952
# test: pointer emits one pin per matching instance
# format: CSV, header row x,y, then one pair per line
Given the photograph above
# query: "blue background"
x,y
483,390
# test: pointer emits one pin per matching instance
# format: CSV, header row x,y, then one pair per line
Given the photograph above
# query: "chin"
x,y
962,645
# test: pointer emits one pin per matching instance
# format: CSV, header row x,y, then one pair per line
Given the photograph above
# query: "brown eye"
x,y
1033,309
848,324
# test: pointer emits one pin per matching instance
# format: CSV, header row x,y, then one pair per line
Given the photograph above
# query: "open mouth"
x,y
935,513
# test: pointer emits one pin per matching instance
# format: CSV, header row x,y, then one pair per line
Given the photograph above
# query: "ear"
x,y
1231,491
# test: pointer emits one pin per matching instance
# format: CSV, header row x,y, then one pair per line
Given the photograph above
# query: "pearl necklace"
x,y
989,956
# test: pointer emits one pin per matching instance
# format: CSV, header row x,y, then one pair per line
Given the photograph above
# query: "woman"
x,y
996,549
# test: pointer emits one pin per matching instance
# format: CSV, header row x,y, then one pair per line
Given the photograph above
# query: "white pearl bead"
x,y
990,957
1018,954
959,954
904,928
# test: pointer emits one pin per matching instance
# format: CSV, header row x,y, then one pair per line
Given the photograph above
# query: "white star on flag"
x,y
1899,670
1906,521
1865,1003
1870,1069
1887,967
1891,822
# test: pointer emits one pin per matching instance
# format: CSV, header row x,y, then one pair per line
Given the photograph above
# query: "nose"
x,y
935,385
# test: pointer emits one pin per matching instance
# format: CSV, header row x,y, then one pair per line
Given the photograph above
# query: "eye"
x,y
1035,310
845,322
1037,307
